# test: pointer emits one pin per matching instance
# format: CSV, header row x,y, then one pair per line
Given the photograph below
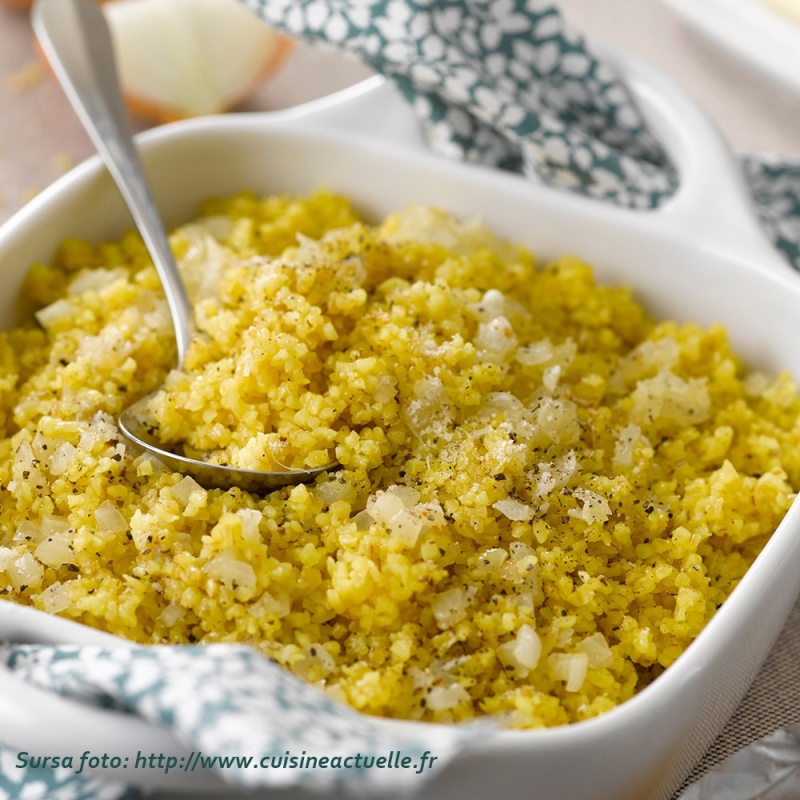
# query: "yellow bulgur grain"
x,y
544,494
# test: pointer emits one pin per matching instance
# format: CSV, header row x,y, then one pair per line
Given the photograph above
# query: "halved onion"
x,y
186,58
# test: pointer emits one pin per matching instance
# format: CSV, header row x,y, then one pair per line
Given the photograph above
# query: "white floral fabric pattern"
x,y
505,83
775,183
513,85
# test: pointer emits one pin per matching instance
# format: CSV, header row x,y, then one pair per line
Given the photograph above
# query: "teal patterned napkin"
x,y
252,723
512,84
503,83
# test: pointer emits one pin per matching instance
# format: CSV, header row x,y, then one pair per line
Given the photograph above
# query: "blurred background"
x,y
40,138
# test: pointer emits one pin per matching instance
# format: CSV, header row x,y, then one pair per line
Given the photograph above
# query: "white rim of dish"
x,y
750,30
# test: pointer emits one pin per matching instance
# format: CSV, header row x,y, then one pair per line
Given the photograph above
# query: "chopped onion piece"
x,y
54,524
333,491
534,353
513,509
431,514
386,389
405,526
61,458
491,306
528,647
186,488
493,558
408,494
54,551
55,598
495,340
25,570
50,315
271,604
449,607
27,532
669,400
595,507
171,614
520,550
597,651
95,279
7,556
522,652
554,475
363,521
440,698
251,519
551,377
382,506
317,655
569,667
234,574
628,438
398,511
109,518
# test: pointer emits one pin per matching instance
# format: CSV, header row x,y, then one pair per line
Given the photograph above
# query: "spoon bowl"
x,y
210,476
75,37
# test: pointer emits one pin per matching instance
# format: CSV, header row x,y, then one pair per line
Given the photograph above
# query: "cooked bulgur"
x,y
544,494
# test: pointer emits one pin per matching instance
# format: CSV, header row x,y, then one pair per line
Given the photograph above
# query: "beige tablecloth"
x,y
40,138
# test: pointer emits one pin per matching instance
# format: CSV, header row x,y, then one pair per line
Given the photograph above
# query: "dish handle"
x,y
372,109
712,206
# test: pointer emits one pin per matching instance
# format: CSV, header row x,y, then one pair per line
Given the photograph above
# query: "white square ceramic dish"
x,y
701,257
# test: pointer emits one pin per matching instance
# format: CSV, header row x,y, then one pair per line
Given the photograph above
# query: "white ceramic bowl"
x,y
701,257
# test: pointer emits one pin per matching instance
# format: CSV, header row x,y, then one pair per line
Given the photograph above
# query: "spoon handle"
x,y
76,39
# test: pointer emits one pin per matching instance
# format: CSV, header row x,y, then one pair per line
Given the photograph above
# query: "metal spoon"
x,y
75,37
